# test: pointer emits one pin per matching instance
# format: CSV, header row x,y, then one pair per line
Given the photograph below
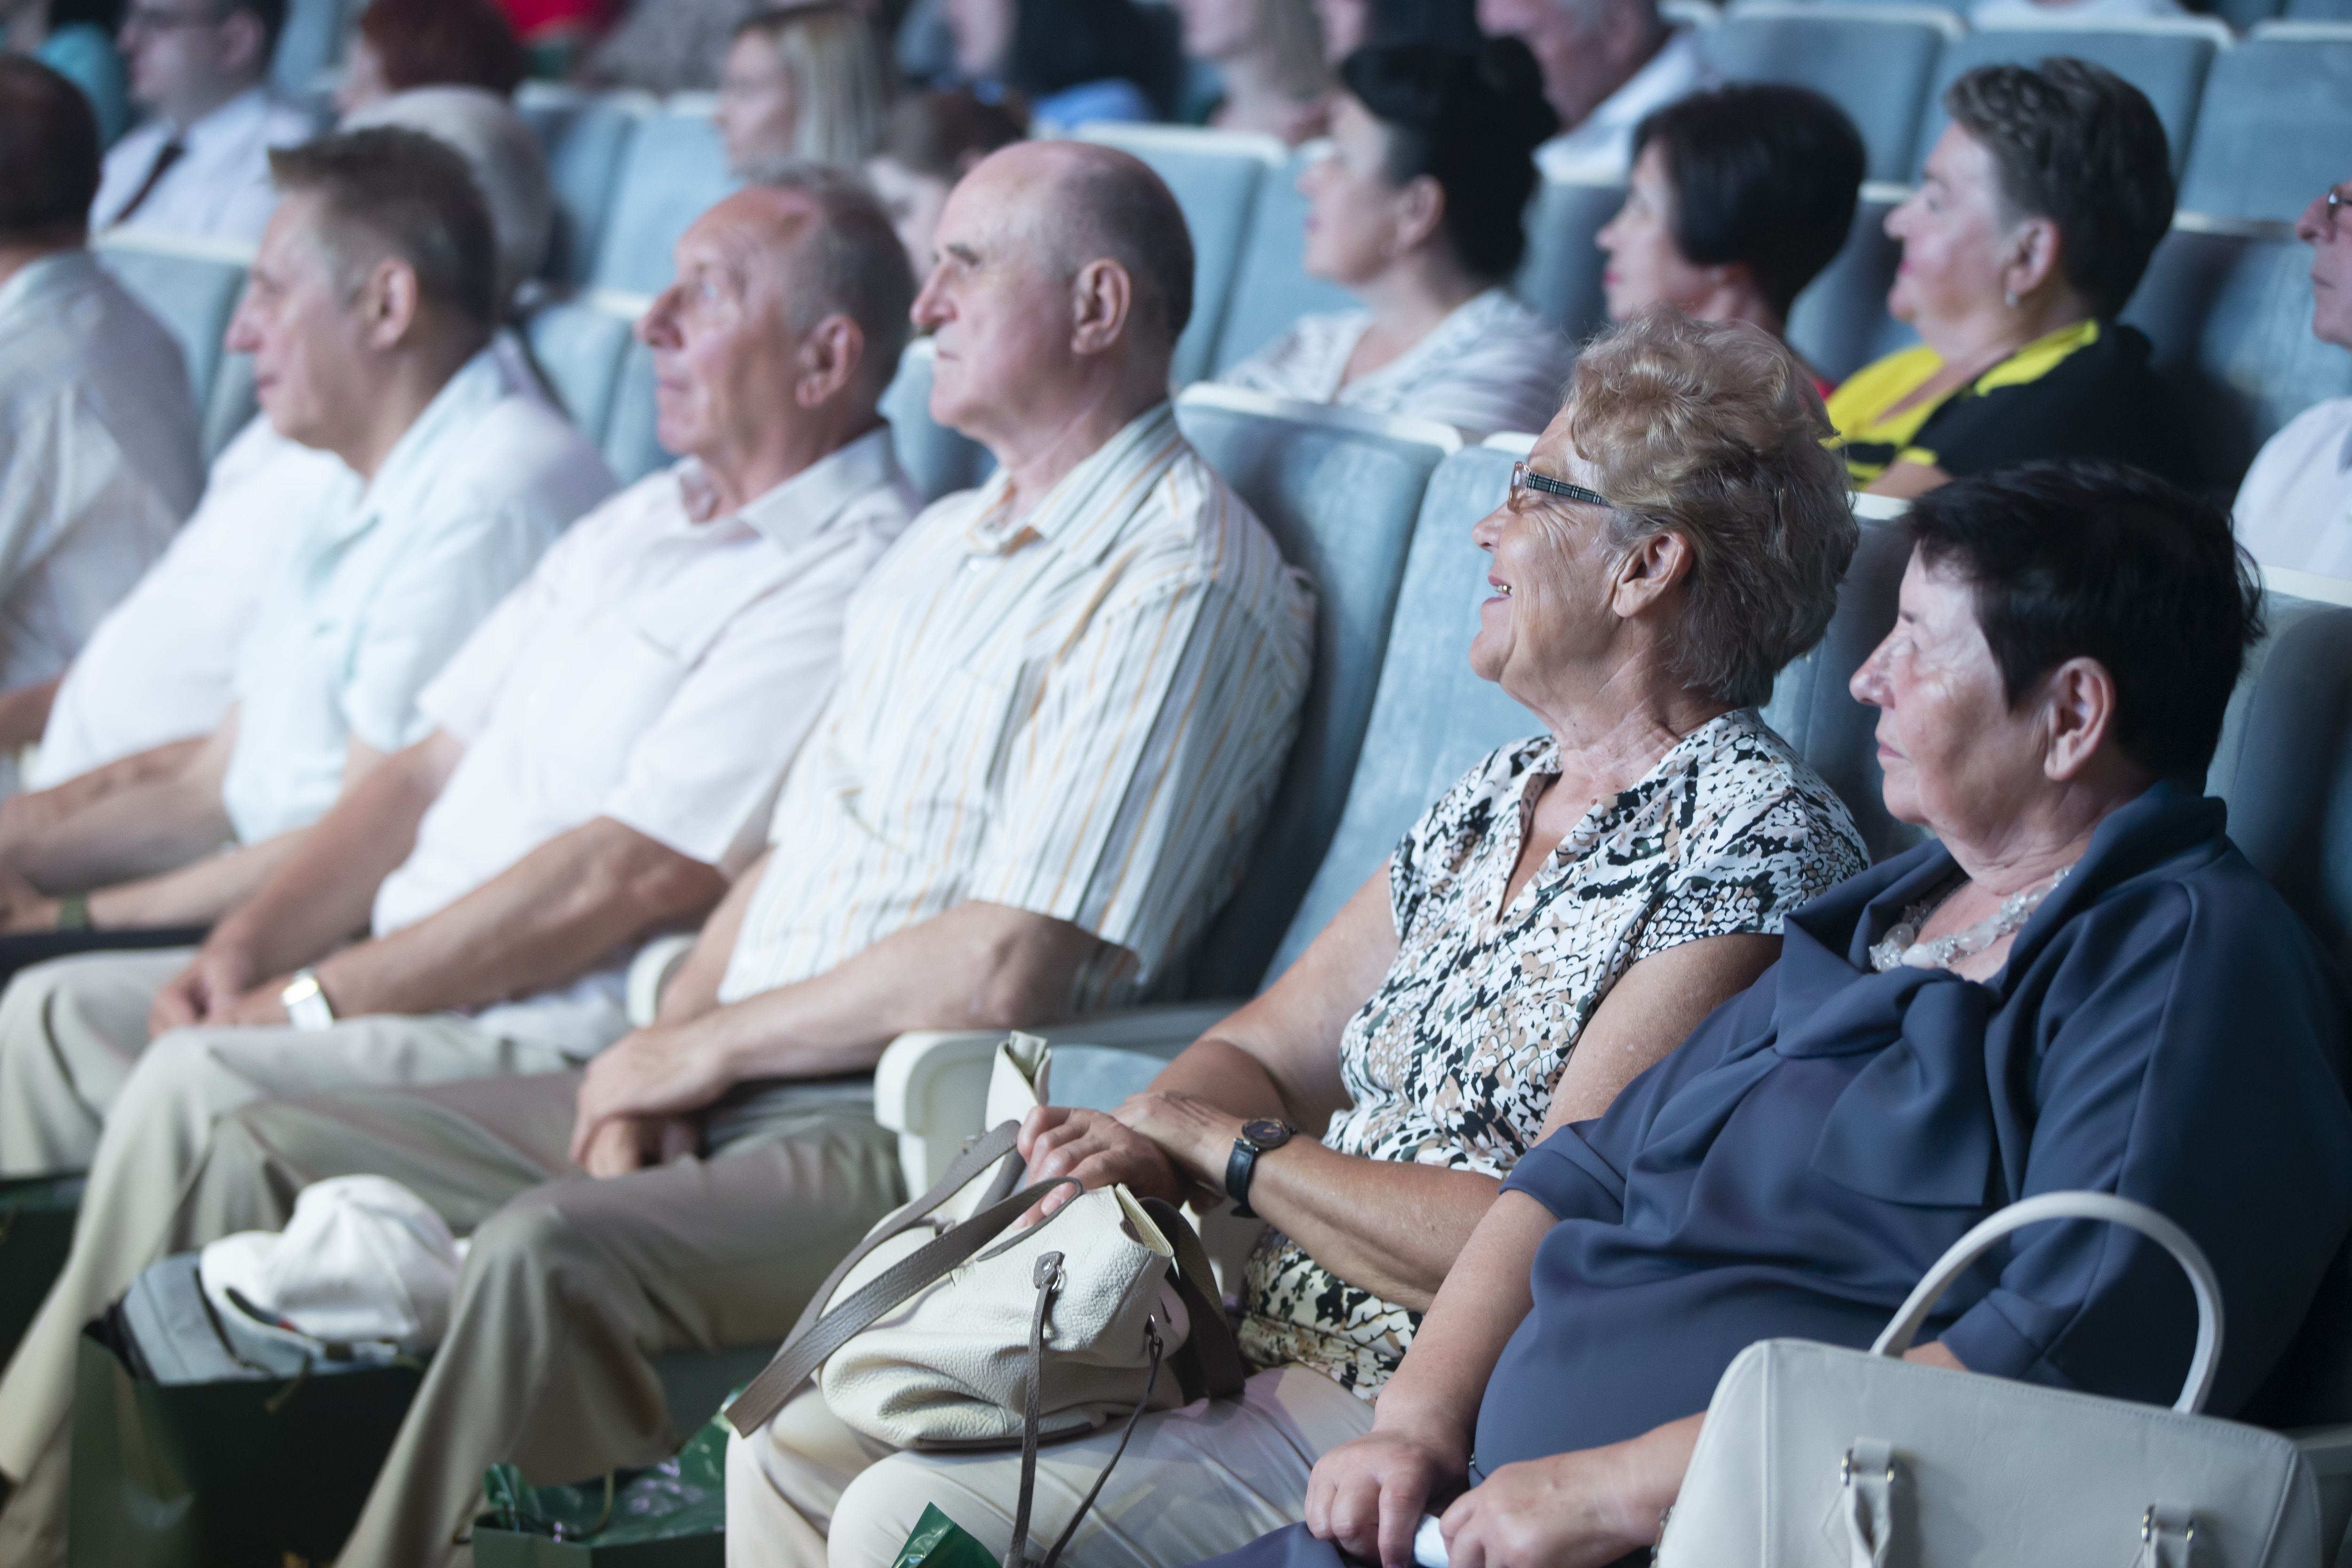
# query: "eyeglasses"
x,y
1524,478
2332,209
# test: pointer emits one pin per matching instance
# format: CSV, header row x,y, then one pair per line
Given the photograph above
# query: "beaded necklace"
x,y
1902,944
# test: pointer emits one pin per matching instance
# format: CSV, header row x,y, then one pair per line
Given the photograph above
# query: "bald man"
x,y
1064,702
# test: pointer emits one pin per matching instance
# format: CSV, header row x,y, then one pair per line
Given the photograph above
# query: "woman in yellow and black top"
x,y
2038,211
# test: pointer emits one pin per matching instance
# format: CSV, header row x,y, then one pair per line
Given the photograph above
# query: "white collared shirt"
x,y
99,456
1492,364
220,187
659,669
159,667
1600,149
2294,510
1081,713
2048,13
385,580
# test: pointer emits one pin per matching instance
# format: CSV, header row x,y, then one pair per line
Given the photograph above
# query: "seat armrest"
x,y
2328,1451
650,971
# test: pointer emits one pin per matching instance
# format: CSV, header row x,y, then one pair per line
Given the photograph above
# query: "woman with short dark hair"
x,y
2039,209
1417,210
1738,198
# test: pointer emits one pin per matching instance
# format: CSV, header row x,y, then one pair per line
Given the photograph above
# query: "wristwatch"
x,y
306,1001
1261,1137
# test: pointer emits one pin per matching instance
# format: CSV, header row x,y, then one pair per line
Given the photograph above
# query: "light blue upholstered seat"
x,y
2317,11
1840,322
1874,61
1341,492
2277,128
191,288
1559,278
2247,15
1271,288
579,345
675,170
938,459
586,139
1214,175
629,443
310,41
232,406
2169,66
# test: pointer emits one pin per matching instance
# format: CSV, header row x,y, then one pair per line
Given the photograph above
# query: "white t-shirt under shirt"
x,y
660,667
1493,364
2294,510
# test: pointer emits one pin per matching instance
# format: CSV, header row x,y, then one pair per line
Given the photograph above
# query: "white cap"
x,y
363,1258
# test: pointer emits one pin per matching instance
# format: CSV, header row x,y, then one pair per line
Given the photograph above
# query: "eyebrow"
x,y
964,253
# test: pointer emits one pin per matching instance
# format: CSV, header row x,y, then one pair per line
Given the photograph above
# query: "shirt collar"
x,y
993,530
790,514
415,459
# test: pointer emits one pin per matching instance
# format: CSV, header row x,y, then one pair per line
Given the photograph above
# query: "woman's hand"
x,y
1367,1496
1564,1511
1197,1135
1099,1151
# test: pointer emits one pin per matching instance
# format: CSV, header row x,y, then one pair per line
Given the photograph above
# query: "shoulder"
x,y
1863,393
520,449
1466,812
1754,799
1301,350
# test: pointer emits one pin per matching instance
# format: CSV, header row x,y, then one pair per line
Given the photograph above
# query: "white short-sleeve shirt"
x,y
661,668
1492,364
219,188
1599,147
386,581
2294,510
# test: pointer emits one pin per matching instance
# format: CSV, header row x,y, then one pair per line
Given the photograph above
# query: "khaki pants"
x,y
572,1286
1195,1483
73,1044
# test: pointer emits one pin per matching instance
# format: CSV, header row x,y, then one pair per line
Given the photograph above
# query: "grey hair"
x,y
1712,431
851,262
500,152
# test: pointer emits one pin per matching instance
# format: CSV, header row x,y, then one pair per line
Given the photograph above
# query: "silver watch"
x,y
306,1001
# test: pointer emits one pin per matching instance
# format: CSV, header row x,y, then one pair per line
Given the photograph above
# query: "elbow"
x,y
656,884
1028,973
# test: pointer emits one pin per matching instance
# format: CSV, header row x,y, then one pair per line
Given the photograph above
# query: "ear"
x,y
1421,208
1101,295
2034,247
240,42
2078,711
829,357
1648,572
388,302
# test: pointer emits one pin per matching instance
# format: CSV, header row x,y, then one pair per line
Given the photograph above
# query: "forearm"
x,y
1390,1227
25,712
1437,1390
560,911
25,817
198,893
140,830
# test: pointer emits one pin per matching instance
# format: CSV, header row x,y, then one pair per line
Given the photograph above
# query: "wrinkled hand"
x,y
1368,1495
1194,1134
1065,1141
202,991
258,1008
1564,1511
655,1072
626,1143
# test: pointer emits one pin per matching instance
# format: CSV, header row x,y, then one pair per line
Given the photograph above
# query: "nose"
x,y
1488,532
243,335
657,328
1869,683
930,309
2312,227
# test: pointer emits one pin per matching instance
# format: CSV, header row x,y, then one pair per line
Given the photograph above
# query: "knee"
x,y
167,1071
531,1239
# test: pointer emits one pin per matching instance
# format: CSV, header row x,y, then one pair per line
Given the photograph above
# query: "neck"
x,y
1040,454
408,384
1991,335
1615,734
196,104
740,475
2049,834
17,255
1418,291
1741,302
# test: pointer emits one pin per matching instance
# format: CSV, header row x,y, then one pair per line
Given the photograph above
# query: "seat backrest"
x,y
1874,61
1431,717
2276,125
1840,322
190,283
674,171
311,40
1214,176
2167,60
232,406
632,444
2318,11
2247,15
1341,491
936,459
1271,289
579,346
585,137
1559,278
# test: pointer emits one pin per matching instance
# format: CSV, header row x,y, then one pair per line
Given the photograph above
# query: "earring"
x,y
2009,298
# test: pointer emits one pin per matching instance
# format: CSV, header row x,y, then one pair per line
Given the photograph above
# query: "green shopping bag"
x,y
671,1516
37,1224
939,1542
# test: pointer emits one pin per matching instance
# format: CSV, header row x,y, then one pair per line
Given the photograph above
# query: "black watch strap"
x,y
1240,1166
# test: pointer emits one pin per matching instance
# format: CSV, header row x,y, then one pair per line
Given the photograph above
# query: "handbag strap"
x,y
2202,1365
1048,1277
1209,1363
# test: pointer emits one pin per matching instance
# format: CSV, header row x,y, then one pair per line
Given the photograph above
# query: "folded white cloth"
x,y
363,1262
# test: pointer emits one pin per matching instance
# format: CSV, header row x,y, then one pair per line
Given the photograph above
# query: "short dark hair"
x,y
1062,44
2083,559
1471,120
2079,146
415,196
270,14
932,133
1120,210
48,154
1763,174
445,43
854,265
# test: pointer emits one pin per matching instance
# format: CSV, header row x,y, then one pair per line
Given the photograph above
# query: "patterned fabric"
x,y
1452,1061
1080,712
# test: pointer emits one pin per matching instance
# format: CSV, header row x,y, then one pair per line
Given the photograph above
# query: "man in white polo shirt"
x,y
2294,510
604,752
369,314
1606,65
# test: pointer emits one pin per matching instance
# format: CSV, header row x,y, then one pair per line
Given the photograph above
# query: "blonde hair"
x,y
1713,431
840,88
1294,38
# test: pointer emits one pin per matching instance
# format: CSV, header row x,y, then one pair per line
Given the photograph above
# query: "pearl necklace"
x,y
1901,945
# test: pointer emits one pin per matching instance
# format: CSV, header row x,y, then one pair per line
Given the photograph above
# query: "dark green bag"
x,y
37,1222
671,1516
260,1473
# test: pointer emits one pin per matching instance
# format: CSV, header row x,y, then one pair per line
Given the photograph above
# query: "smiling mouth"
x,y
1502,590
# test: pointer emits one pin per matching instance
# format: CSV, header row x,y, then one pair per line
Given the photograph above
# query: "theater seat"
x,y
1874,61
190,283
936,459
2318,11
579,346
1559,278
675,169
1840,322
630,446
1271,288
1214,176
585,137
2276,126
310,43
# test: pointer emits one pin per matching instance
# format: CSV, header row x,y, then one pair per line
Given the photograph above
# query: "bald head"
x,y
1085,203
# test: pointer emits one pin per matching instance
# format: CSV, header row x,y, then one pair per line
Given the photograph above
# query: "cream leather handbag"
x,y
935,1334
1814,1454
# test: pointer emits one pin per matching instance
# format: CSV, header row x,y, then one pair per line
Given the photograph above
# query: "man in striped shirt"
x,y
1066,699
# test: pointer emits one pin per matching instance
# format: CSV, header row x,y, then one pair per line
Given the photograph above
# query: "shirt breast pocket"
x,y
952,759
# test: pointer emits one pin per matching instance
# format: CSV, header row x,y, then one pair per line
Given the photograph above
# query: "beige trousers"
x,y
1207,1478
572,1286
76,1046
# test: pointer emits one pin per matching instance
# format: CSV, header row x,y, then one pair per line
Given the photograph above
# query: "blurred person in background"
x,y
1349,25
800,82
200,164
1739,197
1074,60
2295,508
1418,210
557,34
1267,55
931,140
681,46
75,38
2040,204
1607,64
400,44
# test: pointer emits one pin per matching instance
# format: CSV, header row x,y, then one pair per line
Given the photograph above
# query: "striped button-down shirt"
x,y
1081,711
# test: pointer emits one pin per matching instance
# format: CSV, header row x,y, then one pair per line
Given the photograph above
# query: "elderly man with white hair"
x,y
1607,64
1064,702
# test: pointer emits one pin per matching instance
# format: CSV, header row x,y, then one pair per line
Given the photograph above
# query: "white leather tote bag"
x,y
1826,1457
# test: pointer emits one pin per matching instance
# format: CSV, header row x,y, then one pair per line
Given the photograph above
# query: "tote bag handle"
x,y
2139,1217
